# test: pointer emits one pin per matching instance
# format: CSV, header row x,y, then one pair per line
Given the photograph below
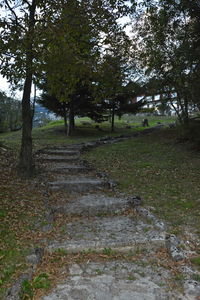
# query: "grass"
x,y
109,251
54,132
196,261
21,204
164,173
39,282
196,277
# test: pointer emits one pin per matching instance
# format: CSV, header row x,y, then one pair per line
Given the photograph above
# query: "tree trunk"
x,y
65,117
71,120
33,104
25,159
65,121
113,117
186,112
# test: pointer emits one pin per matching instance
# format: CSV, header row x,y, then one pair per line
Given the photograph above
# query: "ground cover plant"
x,y
165,173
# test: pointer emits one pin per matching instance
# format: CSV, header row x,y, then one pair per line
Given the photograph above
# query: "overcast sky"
x,y
3,84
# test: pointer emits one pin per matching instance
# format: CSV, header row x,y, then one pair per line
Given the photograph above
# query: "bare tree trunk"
x,y
71,120
65,117
113,117
25,160
65,121
33,104
186,112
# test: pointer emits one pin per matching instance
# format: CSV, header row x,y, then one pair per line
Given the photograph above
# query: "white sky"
x,y
3,84
5,87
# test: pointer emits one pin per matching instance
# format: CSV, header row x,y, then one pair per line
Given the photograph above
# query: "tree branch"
x,y
27,3
15,15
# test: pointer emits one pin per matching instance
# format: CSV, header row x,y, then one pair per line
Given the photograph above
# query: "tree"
x,y
165,32
10,113
83,103
113,71
126,101
74,58
17,54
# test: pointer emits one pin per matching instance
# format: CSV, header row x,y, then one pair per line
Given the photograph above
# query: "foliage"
x,y
10,113
100,86
39,282
114,75
109,251
82,101
73,62
167,49
71,51
196,260
19,48
190,133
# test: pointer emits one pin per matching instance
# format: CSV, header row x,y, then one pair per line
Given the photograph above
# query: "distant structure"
x,y
42,116
161,104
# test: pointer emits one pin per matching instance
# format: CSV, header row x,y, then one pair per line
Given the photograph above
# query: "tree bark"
x,y
33,104
65,120
113,117
71,124
25,159
65,117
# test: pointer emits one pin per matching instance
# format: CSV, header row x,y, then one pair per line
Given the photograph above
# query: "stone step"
x,y
116,280
121,233
60,167
61,152
59,158
93,204
77,185
72,147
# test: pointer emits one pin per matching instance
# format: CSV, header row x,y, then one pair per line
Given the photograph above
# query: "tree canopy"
x,y
168,50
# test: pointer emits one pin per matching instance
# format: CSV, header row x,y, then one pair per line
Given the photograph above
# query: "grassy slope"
x,y
165,174
54,134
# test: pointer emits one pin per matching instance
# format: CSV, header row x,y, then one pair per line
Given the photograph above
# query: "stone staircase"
x,y
105,221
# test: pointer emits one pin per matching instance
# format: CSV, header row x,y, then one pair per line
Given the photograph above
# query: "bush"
x,y
190,132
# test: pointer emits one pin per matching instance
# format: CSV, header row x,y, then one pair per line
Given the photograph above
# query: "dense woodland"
x,y
79,54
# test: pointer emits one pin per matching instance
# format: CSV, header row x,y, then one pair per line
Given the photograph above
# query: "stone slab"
x,y
62,152
62,167
118,232
115,281
77,184
94,204
59,158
